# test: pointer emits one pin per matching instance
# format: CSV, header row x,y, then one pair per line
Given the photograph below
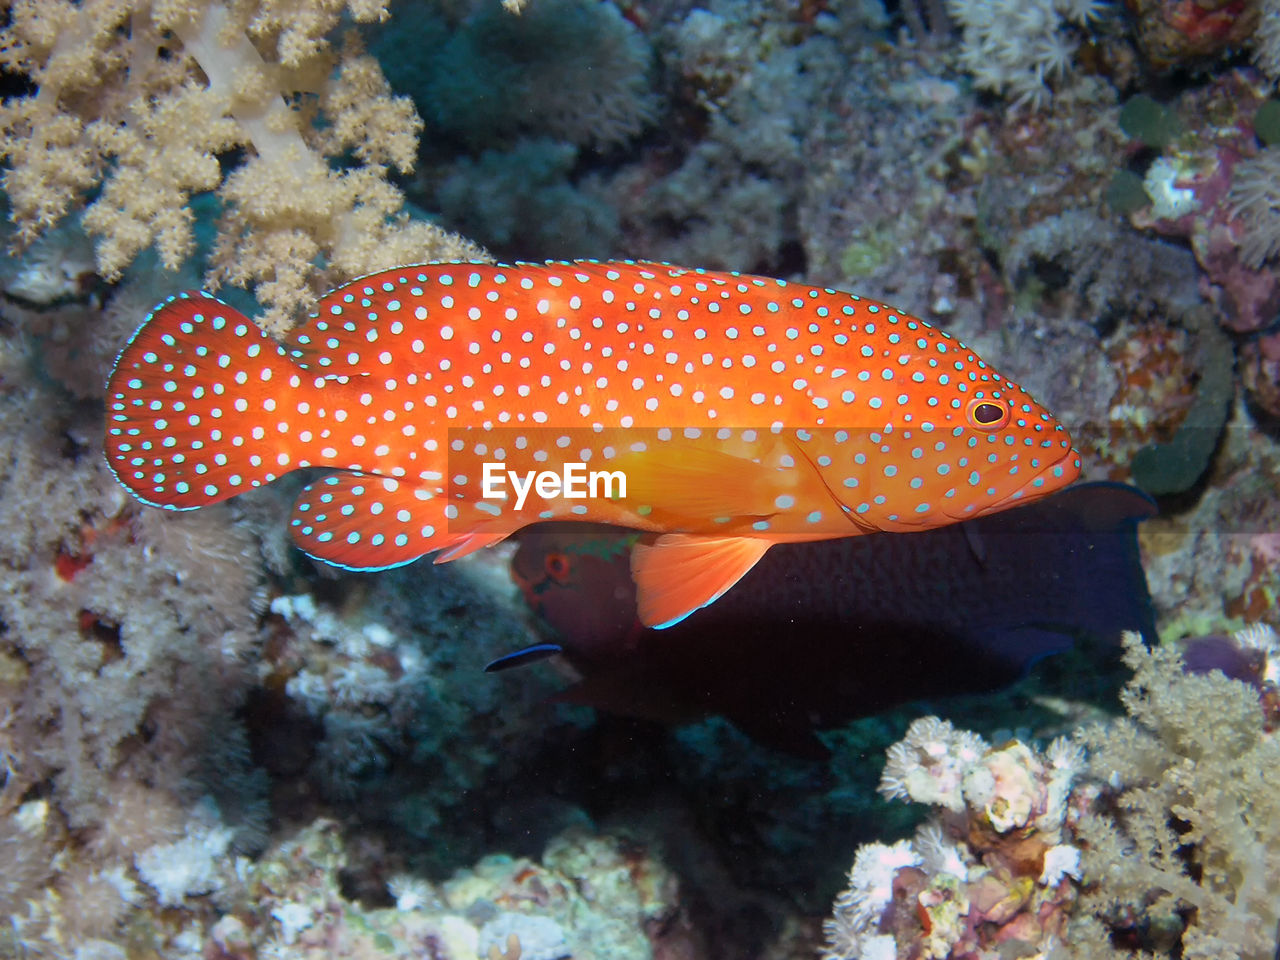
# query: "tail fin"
x,y
191,405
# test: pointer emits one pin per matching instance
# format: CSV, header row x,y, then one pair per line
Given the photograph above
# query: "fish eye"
x,y
986,414
557,566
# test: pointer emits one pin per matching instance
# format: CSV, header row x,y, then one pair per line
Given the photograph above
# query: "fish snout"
x,y
1048,478
1010,481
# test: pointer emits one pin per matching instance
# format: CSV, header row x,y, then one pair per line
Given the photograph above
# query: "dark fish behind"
x,y
820,633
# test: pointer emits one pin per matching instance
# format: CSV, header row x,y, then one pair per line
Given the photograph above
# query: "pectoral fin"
x,y
691,480
680,573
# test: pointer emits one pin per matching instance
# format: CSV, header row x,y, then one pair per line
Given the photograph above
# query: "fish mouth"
x,y
1027,491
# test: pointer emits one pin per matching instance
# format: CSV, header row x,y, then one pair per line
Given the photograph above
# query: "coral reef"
x,y
152,704
516,109
1267,39
994,866
1018,48
136,101
211,747
1255,198
521,198
1181,844
1201,188
749,82
1155,831
590,896
571,70
1174,34
1176,465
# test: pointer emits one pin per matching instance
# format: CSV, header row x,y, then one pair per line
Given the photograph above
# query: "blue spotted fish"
x,y
738,411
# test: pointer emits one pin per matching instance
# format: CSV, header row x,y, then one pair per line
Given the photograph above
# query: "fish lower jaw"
x,y
1052,477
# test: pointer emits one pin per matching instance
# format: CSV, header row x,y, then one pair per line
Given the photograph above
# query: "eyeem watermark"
x,y
573,482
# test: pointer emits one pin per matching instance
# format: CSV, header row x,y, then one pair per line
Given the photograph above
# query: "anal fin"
x,y
361,521
680,573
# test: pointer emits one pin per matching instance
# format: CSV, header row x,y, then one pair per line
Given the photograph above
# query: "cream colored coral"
x,y
111,109
1266,40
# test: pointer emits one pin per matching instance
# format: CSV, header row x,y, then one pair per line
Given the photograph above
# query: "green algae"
x,y
1150,122
1161,469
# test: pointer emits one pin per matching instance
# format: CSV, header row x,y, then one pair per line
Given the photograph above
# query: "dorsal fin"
x,y
428,304
352,326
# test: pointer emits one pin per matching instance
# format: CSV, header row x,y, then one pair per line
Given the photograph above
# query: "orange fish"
x,y
459,402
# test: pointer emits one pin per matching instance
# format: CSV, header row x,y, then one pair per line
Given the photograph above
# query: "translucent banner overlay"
x,y
745,480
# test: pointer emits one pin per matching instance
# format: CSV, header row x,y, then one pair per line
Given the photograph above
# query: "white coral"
x,y
540,938
880,947
293,919
410,892
1014,790
853,930
190,866
929,764
1061,860
1064,759
1255,202
1261,637
938,854
1267,39
871,879
301,606
1065,755
1017,46
1169,201
1005,786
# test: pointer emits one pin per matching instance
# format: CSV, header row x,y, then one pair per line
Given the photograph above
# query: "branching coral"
x,y
122,644
1188,838
122,105
1167,839
138,667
